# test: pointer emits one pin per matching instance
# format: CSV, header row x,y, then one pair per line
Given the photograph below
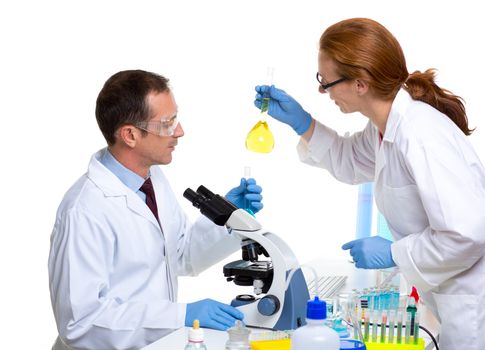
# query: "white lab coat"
x,y
430,187
113,270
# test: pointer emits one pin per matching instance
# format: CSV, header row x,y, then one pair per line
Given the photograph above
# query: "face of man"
x,y
154,147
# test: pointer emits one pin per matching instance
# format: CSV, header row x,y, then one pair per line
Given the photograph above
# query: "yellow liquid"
x,y
260,139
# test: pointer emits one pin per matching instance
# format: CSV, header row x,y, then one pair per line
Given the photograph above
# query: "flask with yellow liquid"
x,y
260,139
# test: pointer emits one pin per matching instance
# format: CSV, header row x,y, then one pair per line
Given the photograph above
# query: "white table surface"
x,y
356,278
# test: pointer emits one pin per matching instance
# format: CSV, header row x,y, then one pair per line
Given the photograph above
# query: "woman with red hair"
x,y
429,182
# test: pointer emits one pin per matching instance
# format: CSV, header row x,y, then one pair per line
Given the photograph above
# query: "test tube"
x,y
416,328
335,307
395,298
382,299
384,296
375,319
366,327
364,299
269,81
408,327
399,327
388,298
372,305
377,299
392,316
359,315
383,326
356,330
357,324
411,308
247,204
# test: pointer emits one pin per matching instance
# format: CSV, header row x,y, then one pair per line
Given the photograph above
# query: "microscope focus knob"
x,y
268,305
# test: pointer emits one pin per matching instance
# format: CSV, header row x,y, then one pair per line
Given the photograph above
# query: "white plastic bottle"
x,y
315,335
196,338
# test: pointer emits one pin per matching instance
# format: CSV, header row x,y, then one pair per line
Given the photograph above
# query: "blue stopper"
x,y
316,309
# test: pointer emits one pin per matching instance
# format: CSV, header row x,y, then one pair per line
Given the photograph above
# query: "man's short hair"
x,y
123,100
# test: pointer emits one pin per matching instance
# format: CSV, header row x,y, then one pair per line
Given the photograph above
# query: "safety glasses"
x,y
162,128
328,85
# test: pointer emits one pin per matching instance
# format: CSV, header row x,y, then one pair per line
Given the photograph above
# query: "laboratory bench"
x,y
355,279
216,340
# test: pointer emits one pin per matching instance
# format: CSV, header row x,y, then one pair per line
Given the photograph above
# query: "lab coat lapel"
x,y
135,203
113,187
380,158
399,106
160,186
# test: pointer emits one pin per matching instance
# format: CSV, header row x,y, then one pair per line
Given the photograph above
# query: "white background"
x,y
56,55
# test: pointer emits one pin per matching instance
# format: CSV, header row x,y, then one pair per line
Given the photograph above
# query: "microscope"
x,y
280,289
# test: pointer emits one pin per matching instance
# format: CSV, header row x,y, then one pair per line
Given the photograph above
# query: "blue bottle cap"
x,y
316,309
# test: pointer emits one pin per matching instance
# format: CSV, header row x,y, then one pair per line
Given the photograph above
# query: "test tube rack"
x,y
397,346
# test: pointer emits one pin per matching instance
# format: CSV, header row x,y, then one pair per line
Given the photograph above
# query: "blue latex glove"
x,y
284,108
371,252
212,314
246,192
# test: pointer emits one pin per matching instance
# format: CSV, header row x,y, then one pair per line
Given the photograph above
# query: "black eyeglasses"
x,y
329,85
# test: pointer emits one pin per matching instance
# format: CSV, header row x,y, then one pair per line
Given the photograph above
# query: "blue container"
x,y
383,229
365,201
351,344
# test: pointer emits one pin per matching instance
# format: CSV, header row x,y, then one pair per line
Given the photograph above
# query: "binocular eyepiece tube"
x,y
211,205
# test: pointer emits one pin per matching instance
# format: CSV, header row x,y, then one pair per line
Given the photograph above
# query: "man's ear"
x,y
128,134
361,87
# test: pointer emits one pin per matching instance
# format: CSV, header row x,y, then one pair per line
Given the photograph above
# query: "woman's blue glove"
x,y
247,195
212,314
284,108
371,252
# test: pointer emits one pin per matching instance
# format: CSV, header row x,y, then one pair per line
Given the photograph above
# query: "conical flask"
x,y
260,138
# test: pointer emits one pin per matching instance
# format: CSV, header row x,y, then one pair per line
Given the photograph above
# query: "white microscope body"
x,y
283,303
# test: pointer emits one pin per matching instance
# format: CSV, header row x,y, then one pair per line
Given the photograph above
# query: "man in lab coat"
x,y
113,263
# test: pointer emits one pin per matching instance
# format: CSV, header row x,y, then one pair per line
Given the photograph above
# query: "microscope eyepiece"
x,y
193,197
216,208
204,191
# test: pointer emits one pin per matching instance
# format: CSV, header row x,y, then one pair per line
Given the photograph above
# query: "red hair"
x,y
365,49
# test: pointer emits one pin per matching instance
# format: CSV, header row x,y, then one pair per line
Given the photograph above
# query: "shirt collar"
x,y
398,109
130,179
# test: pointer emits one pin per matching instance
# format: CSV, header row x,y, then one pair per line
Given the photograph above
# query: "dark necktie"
x,y
147,188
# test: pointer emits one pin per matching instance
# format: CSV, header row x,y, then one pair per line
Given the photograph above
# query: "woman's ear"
x,y
361,87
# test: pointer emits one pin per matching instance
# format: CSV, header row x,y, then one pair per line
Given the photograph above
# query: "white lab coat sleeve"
x,y
87,314
450,182
350,159
204,244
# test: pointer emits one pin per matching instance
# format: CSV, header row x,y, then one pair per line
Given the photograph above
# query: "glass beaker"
x,y
238,337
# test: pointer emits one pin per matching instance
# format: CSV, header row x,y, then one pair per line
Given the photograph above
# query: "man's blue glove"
x,y
212,314
371,252
284,108
247,195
